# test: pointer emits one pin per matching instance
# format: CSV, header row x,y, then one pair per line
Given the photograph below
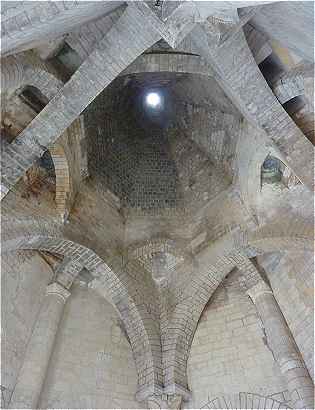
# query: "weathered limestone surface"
x,y
92,364
86,37
17,72
170,63
114,53
39,349
240,77
228,349
26,25
257,42
292,83
157,219
279,20
24,277
246,400
279,338
283,347
291,278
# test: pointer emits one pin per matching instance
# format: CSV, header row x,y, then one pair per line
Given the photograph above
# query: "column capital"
x,y
169,397
164,401
67,272
261,288
58,290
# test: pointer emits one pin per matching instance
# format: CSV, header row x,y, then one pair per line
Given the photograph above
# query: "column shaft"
x,y
33,372
283,347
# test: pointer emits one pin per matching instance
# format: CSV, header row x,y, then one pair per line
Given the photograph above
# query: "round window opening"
x,y
153,100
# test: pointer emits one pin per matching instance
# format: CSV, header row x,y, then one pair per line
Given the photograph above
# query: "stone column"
x,y
283,347
39,349
164,401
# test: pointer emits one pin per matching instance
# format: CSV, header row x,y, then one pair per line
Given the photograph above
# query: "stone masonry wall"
x,y
131,161
155,183
277,200
229,354
111,158
95,221
24,277
200,180
92,364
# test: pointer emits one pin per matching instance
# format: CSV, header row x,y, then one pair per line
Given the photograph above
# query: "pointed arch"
x,y
245,401
121,292
215,263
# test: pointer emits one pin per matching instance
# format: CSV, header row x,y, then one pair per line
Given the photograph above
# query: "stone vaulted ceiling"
x,y
176,213
145,157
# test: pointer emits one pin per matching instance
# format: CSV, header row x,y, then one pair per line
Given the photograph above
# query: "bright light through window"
x,y
153,100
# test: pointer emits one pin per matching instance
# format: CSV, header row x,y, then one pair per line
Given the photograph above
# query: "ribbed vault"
x,y
159,200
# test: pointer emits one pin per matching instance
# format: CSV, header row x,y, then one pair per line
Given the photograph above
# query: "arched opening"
x,y
271,68
40,179
19,110
294,105
48,179
33,97
274,171
271,170
66,61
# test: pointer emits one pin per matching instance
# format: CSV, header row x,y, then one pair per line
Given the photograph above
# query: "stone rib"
x,y
123,43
